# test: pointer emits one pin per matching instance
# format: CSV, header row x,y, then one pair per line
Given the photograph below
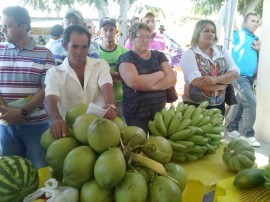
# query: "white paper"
x,y
96,110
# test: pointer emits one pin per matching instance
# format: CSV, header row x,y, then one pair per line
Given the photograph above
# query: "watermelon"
x,y
18,178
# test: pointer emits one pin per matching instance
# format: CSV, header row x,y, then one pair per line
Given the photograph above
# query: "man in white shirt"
x,y
79,79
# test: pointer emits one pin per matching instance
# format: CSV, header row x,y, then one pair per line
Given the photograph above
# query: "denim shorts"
x,y
23,140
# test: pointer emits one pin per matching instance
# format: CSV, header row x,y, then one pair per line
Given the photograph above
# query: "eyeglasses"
x,y
148,37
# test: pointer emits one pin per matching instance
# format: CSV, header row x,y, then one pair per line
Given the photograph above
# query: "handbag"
x,y
230,98
171,94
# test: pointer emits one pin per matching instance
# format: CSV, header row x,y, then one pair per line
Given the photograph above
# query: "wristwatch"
x,y
24,112
110,105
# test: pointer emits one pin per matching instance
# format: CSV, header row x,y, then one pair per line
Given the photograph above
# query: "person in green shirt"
x,y
110,51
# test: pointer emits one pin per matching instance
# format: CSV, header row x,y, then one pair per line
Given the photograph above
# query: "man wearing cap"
x,y
110,52
56,33
72,17
157,40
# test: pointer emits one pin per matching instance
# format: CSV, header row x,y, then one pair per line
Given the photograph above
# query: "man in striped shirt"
x,y
23,66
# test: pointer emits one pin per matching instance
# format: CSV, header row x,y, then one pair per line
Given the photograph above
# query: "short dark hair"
x,y
19,14
247,16
135,27
75,29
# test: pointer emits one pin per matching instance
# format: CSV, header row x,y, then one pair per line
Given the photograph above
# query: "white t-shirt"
x,y
63,82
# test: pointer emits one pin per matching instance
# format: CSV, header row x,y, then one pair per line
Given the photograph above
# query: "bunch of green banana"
x,y
192,131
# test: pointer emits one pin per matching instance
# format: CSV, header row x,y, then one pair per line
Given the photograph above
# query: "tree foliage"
x,y
207,7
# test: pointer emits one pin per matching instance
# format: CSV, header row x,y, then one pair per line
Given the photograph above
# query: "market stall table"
x,y
203,175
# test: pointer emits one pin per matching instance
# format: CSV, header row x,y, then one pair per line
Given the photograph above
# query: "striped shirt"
x,y
22,73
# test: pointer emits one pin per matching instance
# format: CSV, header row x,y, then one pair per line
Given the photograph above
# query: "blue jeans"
x,y
243,115
23,140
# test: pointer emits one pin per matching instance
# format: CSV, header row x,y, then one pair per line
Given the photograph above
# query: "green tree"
x,y
207,7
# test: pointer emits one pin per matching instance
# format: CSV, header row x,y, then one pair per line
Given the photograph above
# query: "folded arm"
x,y
169,79
200,83
144,82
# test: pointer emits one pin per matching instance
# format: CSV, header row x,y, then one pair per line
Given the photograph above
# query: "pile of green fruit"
x,y
192,131
109,161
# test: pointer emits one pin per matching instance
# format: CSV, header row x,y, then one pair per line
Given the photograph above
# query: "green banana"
x,y
215,142
199,131
196,112
178,153
163,111
198,155
168,117
206,128
217,129
210,113
177,147
191,157
213,136
153,129
160,124
205,112
188,112
193,129
183,125
216,120
198,149
198,140
206,119
186,143
181,135
204,104
215,110
179,158
196,120
174,123
210,149
181,107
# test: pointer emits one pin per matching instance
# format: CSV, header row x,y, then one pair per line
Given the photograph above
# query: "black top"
x,y
138,104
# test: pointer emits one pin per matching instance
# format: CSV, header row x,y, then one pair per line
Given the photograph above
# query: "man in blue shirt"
x,y
245,52
72,17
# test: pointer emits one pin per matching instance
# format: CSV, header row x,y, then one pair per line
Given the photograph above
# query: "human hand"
x,y
11,115
58,128
207,80
256,45
111,113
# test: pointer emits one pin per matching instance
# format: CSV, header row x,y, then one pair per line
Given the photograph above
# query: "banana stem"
x,y
151,147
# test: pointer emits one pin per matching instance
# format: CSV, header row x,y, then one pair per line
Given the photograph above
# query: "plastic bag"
x,y
54,193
